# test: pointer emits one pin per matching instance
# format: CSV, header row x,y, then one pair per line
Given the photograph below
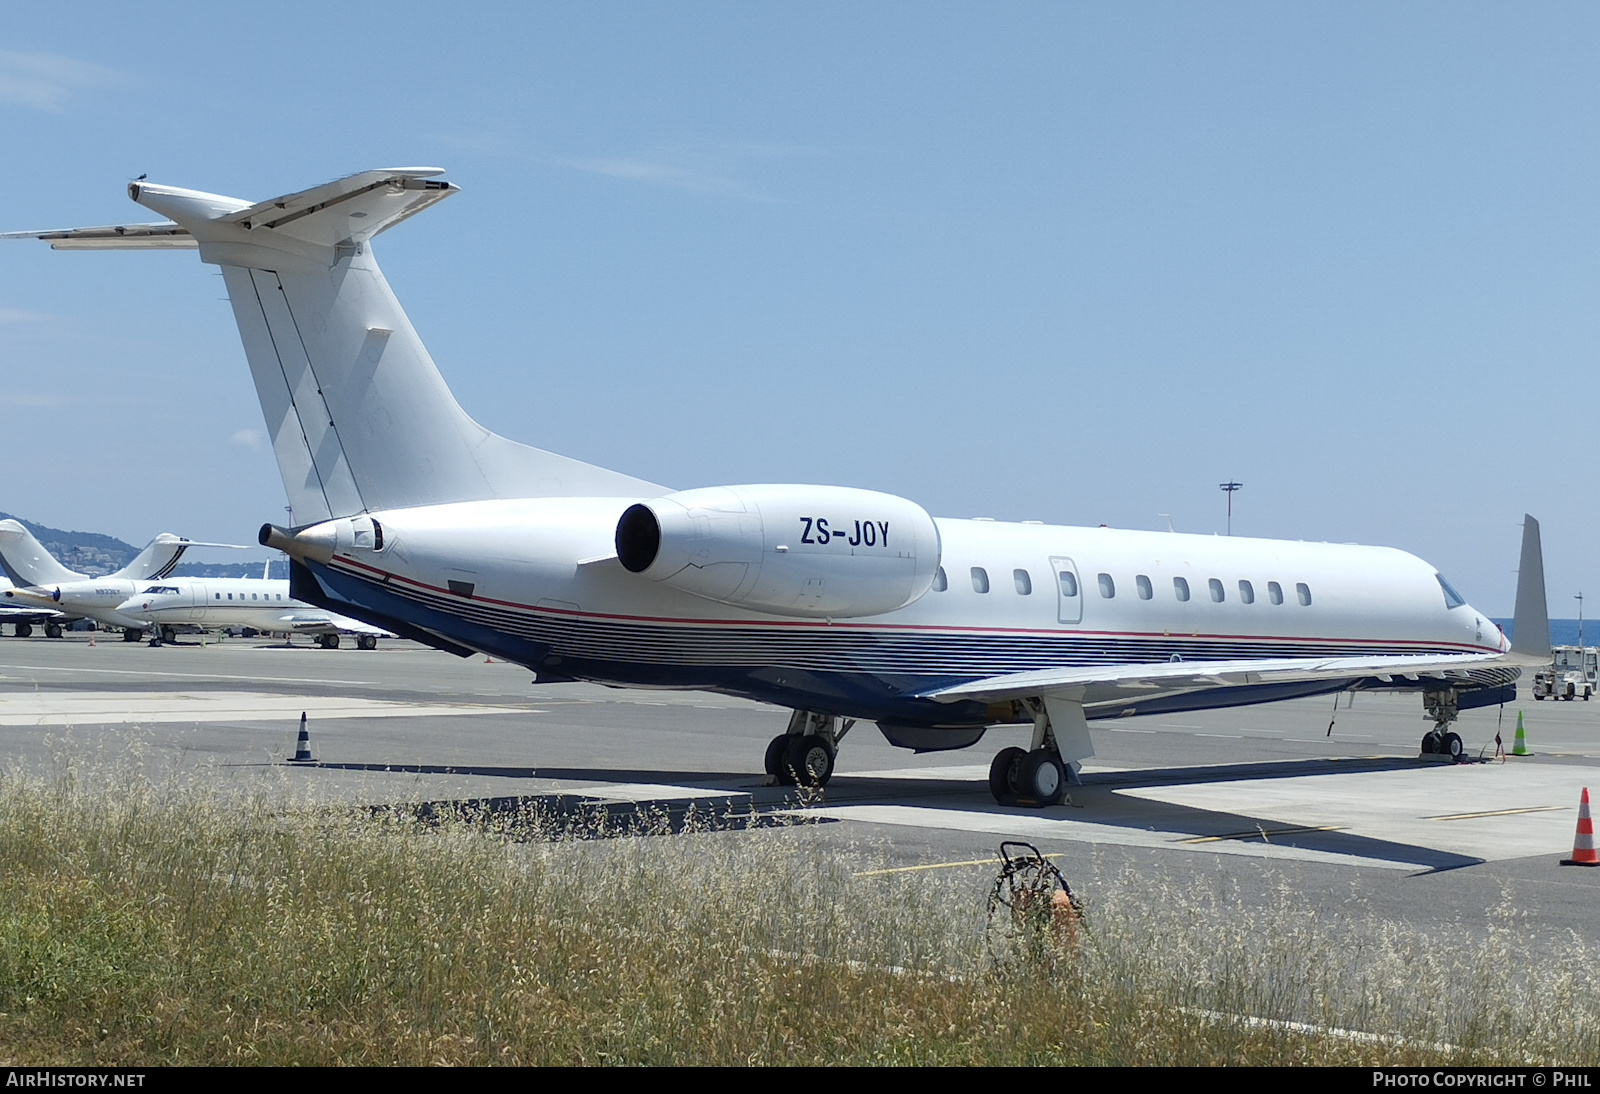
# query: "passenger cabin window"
x,y
940,582
1142,583
1247,592
1180,588
1069,584
1024,582
1108,588
1275,592
1217,595
1303,591
1452,599
980,579
219,596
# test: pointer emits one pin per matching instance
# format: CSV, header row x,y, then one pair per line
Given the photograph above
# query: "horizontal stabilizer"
x,y
161,236
348,210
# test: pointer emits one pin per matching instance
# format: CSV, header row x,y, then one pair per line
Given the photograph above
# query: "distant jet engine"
x,y
810,551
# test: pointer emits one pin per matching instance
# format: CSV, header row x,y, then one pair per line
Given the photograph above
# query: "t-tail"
x,y
359,416
27,563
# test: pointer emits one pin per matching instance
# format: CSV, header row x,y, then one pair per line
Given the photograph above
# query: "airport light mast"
x,y
1229,488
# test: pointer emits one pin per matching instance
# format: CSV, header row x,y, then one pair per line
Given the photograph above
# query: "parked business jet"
x,y
39,582
23,620
262,604
840,604
161,603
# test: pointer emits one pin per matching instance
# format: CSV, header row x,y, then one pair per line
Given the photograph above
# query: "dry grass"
x,y
146,924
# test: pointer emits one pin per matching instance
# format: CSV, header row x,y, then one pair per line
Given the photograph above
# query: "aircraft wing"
x,y
1107,683
162,235
316,622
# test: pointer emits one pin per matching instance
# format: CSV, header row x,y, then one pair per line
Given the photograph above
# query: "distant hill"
x,y
95,554
87,552
280,569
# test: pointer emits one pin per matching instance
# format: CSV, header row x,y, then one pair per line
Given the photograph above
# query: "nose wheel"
x,y
1441,740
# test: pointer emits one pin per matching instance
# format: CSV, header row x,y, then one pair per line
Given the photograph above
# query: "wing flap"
x,y
1106,682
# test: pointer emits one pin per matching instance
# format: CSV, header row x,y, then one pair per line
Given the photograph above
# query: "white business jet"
x,y
39,582
261,604
161,603
840,604
24,619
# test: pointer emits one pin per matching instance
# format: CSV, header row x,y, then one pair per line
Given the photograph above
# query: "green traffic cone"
x,y
1520,748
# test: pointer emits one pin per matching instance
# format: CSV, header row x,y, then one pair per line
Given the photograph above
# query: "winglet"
x,y
1530,634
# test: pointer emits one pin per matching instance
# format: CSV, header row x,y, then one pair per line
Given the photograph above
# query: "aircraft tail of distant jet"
x,y
359,416
28,564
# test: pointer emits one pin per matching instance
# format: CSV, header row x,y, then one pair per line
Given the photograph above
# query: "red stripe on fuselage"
x,y
780,624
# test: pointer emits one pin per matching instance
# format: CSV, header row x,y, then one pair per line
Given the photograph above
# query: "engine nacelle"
x,y
812,551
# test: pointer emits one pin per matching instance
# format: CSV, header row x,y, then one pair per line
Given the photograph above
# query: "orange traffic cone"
x,y
1583,852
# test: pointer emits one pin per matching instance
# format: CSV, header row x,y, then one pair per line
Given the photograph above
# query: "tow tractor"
x,y
1574,672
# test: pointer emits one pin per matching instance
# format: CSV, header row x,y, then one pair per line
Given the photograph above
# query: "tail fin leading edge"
x,y
1530,626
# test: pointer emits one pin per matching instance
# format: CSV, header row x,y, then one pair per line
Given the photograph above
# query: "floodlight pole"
x,y
1579,599
1229,488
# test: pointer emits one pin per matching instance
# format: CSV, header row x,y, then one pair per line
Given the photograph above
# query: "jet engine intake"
x,y
809,551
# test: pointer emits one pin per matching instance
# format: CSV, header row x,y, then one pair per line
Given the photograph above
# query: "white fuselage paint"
x,y
542,568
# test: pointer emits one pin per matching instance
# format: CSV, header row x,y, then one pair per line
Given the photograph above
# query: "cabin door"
x,y
1069,591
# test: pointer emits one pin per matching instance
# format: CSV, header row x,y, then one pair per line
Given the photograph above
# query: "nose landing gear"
x,y
1442,707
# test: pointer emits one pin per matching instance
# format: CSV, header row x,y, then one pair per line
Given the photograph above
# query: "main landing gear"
x,y
328,641
1038,776
804,754
1440,740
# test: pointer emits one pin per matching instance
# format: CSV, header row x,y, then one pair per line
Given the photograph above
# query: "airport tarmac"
x,y
1248,799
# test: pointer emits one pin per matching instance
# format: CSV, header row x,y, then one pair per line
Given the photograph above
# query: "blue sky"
x,y
1060,262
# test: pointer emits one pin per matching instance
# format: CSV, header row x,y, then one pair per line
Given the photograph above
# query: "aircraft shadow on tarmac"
x,y
755,806
1096,802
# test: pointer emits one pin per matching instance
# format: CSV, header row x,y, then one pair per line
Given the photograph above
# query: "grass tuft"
x,y
147,923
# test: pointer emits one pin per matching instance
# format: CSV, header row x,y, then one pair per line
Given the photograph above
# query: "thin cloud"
x,y
44,81
247,438
12,398
702,170
17,315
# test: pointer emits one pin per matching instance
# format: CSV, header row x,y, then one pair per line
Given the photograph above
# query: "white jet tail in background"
x,y
359,416
27,563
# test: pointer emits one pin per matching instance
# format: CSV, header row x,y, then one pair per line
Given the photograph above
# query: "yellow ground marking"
x,y
1498,813
940,866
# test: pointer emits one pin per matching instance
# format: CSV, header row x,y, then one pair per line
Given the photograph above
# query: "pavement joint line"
x,y
1263,833
194,675
1498,813
940,866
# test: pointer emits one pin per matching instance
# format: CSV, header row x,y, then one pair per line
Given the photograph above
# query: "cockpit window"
x,y
1452,599
173,589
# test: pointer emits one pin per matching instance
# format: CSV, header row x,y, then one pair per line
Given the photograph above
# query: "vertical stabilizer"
x,y
158,559
25,560
359,415
1530,628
